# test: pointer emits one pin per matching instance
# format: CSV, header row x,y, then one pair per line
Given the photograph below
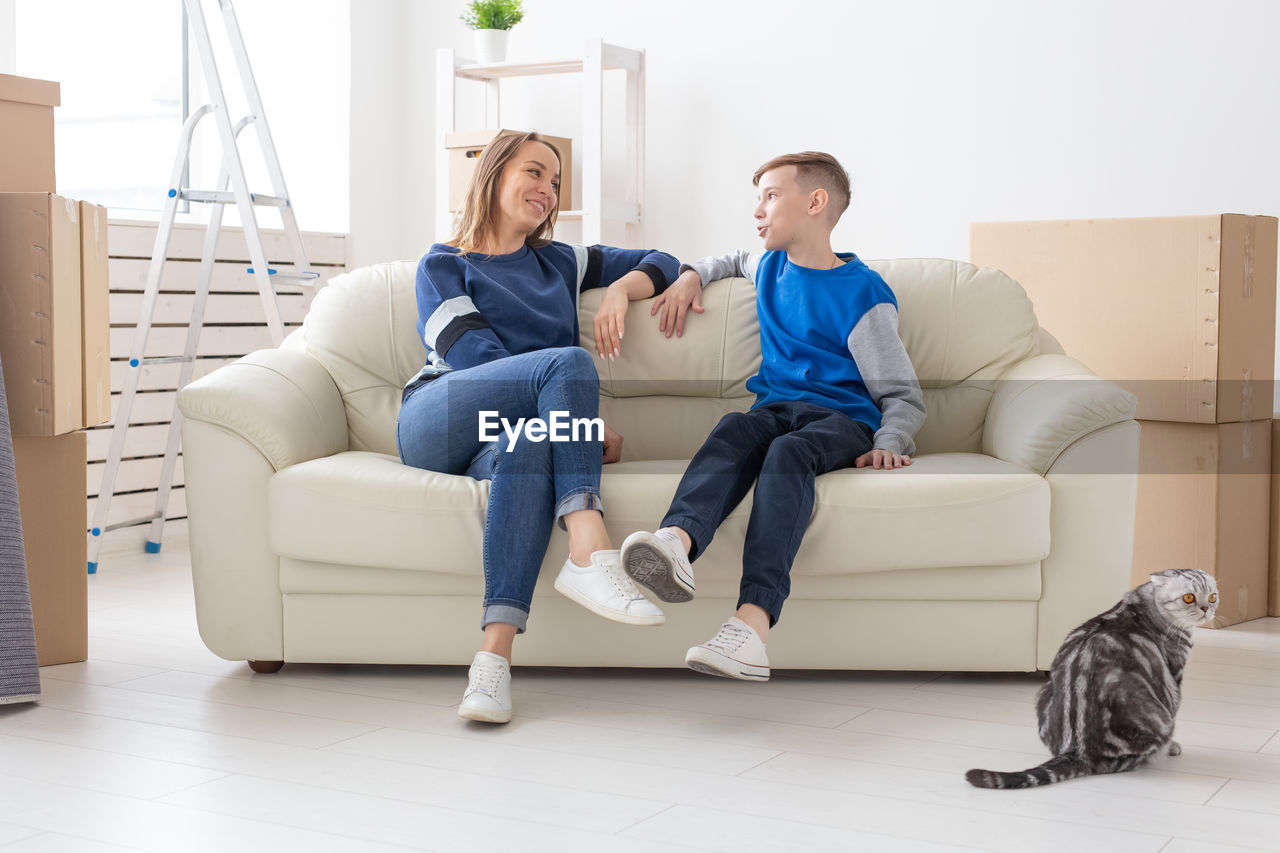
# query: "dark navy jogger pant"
x,y
782,448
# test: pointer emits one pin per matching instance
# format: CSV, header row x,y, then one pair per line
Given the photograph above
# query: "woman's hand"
x,y
612,445
674,303
610,323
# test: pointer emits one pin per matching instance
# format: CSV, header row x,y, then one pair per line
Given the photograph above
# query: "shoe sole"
x,y
626,619
712,663
480,715
651,568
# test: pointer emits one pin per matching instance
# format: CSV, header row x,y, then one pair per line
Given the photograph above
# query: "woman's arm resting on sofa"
x,y
283,403
1044,404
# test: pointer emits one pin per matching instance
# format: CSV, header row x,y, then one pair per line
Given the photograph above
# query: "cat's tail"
x,y
1056,769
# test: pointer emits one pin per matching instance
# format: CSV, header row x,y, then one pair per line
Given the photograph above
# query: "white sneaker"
x,y
736,651
488,696
659,561
604,589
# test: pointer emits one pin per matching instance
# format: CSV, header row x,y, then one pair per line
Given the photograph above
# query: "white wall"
x,y
943,112
8,37
377,87
300,52
120,75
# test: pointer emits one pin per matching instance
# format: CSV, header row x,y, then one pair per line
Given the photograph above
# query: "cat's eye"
x,y
1189,598
1213,597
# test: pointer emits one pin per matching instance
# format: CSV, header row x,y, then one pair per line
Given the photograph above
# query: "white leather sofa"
x,y
311,542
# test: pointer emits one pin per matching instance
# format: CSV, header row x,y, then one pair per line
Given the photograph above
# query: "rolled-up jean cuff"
x,y
698,535
767,600
507,613
575,502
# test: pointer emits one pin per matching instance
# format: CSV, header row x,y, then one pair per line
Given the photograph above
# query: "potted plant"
x,y
491,19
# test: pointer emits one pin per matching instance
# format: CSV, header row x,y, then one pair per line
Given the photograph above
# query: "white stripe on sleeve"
x,y
449,310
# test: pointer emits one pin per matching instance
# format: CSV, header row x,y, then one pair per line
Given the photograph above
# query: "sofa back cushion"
x,y
362,327
962,326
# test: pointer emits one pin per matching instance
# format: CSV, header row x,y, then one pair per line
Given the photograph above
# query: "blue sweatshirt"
x,y
475,308
829,337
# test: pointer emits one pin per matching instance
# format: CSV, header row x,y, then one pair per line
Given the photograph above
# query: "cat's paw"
x,y
1175,748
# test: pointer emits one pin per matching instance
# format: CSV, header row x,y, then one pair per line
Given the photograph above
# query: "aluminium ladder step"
x,y
216,197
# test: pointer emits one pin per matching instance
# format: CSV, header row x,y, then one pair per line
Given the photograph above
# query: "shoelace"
x,y
485,678
729,638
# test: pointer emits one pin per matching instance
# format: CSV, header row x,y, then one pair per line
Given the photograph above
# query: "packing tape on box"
x,y
1250,237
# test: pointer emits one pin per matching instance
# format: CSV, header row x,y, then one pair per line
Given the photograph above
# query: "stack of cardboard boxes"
x,y
55,349
1181,311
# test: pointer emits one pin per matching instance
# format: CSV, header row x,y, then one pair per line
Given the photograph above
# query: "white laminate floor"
x,y
155,744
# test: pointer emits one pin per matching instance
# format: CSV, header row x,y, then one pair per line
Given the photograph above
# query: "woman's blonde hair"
x,y
479,214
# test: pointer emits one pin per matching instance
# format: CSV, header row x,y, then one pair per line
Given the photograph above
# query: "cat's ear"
x,y
1160,578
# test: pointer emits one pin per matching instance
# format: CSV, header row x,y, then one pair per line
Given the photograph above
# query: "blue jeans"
x,y
782,448
534,484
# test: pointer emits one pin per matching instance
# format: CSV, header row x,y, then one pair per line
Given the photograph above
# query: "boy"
x,y
835,389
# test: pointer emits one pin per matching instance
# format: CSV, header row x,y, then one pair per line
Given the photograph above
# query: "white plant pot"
x,y
491,46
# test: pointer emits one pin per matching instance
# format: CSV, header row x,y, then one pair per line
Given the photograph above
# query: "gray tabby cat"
x,y
1114,688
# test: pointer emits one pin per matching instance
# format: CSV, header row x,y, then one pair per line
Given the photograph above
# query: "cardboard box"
x,y
51,501
465,148
1203,497
1273,584
1181,310
40,325
95,322
26,134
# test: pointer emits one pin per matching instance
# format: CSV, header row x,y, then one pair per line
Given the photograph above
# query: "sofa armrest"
x,y
283,403
1046,403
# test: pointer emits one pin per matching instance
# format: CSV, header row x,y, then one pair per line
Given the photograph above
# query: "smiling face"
x,y
783,210
530,187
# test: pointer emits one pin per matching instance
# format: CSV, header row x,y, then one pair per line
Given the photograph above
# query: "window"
x,y
120,66
121,80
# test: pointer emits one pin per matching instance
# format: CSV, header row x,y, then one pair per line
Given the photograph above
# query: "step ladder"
x,y
232,188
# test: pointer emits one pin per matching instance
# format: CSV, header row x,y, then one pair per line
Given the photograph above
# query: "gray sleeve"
x,y
887,372
739,264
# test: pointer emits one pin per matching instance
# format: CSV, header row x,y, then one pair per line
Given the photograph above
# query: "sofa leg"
x,y
266,666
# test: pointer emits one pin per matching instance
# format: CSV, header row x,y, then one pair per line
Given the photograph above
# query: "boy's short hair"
x,y
815,169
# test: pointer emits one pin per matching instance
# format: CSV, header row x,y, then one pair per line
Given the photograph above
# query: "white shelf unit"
x,y
598,206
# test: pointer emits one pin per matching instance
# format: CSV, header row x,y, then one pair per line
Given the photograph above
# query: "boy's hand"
x,y
610,321
882,459
612,445
674,303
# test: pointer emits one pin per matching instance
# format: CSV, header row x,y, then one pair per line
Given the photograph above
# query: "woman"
x,y
498,311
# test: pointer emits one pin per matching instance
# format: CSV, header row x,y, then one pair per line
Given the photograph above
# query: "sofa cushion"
x,y
946,510
717,579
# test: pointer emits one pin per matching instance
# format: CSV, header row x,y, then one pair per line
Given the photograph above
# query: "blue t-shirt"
x,y
806,319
